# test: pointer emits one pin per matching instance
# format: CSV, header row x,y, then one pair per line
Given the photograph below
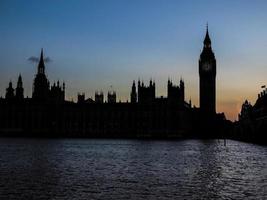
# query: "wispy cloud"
x,y
34,59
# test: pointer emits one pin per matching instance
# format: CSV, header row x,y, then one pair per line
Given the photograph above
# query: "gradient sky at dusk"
x,y
94,44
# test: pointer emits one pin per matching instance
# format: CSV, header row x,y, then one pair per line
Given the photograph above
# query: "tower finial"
x,y
19,80
42,55
41,66
207,41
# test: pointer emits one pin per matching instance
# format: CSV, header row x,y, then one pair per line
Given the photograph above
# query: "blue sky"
x,y
97,43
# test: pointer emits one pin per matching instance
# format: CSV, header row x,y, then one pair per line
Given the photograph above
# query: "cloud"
x,y
34,59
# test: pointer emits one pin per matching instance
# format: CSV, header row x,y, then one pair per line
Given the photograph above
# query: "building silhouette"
x,y
42,92
112,97
175,93
146,94
133,93
207,78
252,120
99,97
49,114
41,84
10,92
19,89
57,92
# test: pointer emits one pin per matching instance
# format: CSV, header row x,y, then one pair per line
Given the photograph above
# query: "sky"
x,y
103,44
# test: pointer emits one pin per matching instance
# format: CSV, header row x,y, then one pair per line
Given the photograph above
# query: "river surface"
x,y
131,169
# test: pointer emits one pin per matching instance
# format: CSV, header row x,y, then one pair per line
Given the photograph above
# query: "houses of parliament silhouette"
x,y
48,114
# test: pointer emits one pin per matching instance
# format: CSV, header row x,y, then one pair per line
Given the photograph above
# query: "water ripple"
x,y
131,169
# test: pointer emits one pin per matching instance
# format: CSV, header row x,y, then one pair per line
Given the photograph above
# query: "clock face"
x,y
206,66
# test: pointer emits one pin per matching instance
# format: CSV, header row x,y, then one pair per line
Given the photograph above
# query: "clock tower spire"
x,y
207,41
207,78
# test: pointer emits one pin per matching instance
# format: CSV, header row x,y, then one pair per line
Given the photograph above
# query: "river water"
x,y
131,169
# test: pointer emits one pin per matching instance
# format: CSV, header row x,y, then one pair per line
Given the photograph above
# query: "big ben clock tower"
x,y
207,78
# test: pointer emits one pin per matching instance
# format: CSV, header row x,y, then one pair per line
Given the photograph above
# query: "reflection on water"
x,y
131,169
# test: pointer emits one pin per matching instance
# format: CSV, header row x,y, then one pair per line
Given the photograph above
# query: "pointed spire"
x,y
19,89
133,93
10,84
19,83
42,54
133,85
19,79
41,65
207,41
9,91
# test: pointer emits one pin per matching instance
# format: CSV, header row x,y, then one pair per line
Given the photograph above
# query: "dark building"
x,y
111,97
146,94
245,110
57,92
10,92
175,93
81,98
99,97
48,114
41,86
133,93
207,75
19,89
40,83
252,120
